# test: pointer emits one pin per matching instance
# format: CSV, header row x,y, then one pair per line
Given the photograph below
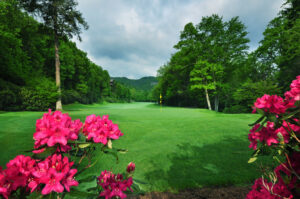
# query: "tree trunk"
x,y
57,74
216,103
207,99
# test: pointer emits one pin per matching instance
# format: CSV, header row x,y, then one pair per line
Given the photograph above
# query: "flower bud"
x,y
130,167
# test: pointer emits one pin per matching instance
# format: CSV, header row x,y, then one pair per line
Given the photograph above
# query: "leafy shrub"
x,y
247,94
277,133
236,109
70,96
41,97
9,96
7,99
59,148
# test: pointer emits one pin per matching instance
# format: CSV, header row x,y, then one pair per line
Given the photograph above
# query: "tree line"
x,y
27,63
213,68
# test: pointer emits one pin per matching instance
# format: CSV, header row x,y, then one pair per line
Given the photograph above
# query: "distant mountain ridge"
x,y
144,83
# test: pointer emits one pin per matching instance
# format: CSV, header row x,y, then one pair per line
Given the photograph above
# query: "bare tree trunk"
x,y
216,103
57,74
207,99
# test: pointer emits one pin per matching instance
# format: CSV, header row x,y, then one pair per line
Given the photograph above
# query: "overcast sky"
x,y
133,38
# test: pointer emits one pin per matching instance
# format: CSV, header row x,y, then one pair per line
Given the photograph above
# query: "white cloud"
x,y
134,38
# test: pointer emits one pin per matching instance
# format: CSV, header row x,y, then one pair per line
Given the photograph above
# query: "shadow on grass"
x,y
220,164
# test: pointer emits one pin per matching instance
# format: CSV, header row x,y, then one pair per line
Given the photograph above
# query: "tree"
x,y
203,76
64,21
280,50
213,40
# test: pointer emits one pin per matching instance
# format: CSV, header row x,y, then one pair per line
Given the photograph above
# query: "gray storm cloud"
x,y
133,38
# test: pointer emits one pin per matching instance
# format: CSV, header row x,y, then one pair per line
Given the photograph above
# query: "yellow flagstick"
x,y
160,101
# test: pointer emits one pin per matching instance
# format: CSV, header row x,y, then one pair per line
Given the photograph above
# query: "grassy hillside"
x,y
173,148
145,83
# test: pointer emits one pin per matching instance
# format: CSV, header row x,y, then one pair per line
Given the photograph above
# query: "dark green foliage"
x,y
280,49
40,97
144,83
9,96
220,43
244,76
27,66
60,16
140,89
120,93
70,96
250,91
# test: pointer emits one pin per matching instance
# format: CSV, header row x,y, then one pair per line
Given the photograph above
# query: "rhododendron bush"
x,y
277,133
63,149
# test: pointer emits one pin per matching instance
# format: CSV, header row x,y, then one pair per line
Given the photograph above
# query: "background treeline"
x,y
27,72
212,64
140,89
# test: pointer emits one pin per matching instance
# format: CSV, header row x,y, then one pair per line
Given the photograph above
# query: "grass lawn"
x,y
173,148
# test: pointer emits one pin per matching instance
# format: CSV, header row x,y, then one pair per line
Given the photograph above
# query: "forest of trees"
x,y
27,66
213,68
140,89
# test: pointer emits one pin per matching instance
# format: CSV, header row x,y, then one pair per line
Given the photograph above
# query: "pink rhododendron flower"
x,y
273,104
253,136
4,184
17,174
55,173
264,189
18,171
55,128
113,185
294,93
100,129
267,135
52,181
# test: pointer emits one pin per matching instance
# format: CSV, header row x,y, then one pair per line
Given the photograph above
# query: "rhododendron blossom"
x,y
113,185
273,104
282,133
100,129
294,93
17,174
267,135
56,173
55,128
264,189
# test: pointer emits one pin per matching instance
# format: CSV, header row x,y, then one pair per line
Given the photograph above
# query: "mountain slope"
x,y
144,83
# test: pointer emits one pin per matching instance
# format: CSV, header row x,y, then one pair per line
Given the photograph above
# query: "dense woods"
x,y
27,66
213,67
140,89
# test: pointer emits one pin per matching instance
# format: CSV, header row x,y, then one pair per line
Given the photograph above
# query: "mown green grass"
x,y
173,148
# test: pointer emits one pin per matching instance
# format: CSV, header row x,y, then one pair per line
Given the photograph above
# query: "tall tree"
x,y
62,18
204,76
213,40
280,50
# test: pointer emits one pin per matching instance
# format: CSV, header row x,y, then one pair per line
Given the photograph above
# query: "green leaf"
x,y
81,194
48,151
122,150
257,121
252,159
280,137
112,152
87,179
290,114
139,181
84,145
260,111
